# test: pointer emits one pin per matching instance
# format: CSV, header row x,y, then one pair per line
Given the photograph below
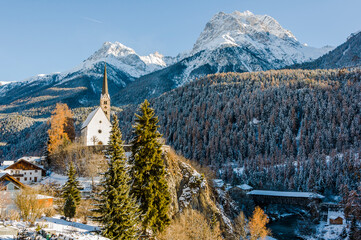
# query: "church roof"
x,y
90,117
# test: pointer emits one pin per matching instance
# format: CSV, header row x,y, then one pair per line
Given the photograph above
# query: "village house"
x,y
335,217
10,187
25,172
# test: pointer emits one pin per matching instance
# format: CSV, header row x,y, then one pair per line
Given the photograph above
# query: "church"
x,y
95,130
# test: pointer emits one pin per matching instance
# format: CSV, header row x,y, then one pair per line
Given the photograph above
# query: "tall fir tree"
x,y
118,211
69,207
71,187
148,171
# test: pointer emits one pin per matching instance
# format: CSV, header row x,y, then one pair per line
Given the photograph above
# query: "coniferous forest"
x,y
285,129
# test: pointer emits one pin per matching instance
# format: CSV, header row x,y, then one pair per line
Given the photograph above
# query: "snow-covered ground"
x,y
57,226
329,232
85,182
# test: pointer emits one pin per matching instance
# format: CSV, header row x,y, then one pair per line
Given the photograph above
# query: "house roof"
x,y
285,194
244,187
7,177
90,117
24,165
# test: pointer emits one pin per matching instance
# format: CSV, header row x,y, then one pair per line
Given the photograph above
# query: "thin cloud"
x,y
92,20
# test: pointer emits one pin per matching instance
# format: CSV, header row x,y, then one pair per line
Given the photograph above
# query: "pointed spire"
x,y
105,81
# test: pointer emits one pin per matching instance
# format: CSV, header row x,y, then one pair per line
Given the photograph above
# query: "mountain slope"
x,y
255,121
81,86
235,42
347,54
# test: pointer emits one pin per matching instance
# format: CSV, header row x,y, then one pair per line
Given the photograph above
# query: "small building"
x,y
25,172
335,218
264,197
218,183
10,187
240,191
245,188
8,183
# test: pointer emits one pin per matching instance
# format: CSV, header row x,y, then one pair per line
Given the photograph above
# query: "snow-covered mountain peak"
x,y
125,59
235,28
109,49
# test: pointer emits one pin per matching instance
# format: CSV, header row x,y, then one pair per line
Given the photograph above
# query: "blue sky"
x,y
43,36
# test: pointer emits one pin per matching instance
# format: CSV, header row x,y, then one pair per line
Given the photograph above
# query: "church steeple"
x,y
105,81
105,98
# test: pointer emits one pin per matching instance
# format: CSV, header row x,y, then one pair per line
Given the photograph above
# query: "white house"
x,y
95,130
25,172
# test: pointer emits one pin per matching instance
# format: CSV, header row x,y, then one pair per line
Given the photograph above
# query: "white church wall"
x,y
98,130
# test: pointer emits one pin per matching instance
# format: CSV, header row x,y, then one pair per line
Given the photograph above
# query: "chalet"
x,y
9,183
335,218
10,186
240,191
25,172
263,197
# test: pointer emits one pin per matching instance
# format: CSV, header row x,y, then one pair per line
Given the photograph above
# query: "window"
x,y
99,131
24,173
30,179
100,121
106,112
105,102
18,178
31,173
35,179
25,179
100,143
36,171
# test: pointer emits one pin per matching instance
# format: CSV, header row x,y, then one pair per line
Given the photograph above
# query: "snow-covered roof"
x,y
244,187
335,214
7,163
285,194
90,117
218,183
39,196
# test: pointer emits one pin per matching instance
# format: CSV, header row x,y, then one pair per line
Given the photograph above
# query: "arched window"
x,y
100,143
99,131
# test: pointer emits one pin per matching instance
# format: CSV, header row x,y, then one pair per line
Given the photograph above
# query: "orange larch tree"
x,y
257,224
62,127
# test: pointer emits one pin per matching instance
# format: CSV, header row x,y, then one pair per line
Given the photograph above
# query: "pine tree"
x,y
148,171
71,187
69,207
117,209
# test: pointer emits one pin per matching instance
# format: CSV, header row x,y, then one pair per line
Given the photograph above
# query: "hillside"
x,y
249,121
346,55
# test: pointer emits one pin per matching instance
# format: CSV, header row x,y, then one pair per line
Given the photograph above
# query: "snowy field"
x,y
61,228
55,178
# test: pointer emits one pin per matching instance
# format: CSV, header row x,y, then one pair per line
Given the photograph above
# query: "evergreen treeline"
x,y
259,121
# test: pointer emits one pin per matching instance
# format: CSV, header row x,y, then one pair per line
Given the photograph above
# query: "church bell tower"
x,y
105,98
